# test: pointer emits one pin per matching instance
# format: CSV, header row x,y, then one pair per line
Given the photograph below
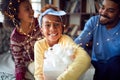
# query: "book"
x,y
74,4
74,30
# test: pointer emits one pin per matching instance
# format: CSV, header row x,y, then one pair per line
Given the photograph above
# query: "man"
x,y
104,31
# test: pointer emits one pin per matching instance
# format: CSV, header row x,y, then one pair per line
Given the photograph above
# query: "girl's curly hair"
x,y
10,10
47,6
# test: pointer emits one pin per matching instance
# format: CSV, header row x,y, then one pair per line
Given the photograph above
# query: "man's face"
x,y
109,12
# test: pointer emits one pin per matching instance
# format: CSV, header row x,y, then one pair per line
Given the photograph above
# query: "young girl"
x,y
52,28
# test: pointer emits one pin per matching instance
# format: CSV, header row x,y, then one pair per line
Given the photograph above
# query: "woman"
x,y
19,14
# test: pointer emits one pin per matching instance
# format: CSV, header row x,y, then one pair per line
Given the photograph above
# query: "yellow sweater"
x,y
80,64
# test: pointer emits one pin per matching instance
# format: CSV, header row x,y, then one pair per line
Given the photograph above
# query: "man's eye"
x,y
102,8
111,10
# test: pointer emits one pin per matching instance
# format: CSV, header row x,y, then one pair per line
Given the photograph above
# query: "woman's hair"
x,y
10,10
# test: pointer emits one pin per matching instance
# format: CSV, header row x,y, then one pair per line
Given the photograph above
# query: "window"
x,y
36,5
1,16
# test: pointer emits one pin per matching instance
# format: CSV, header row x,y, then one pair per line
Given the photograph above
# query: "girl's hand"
x,y
72,57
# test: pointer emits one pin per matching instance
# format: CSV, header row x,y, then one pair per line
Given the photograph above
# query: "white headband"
x,y
51,12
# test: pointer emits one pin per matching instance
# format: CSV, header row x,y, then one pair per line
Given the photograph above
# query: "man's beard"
x,y
107,17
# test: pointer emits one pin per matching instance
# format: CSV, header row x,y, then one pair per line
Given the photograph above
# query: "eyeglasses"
x,y
51,23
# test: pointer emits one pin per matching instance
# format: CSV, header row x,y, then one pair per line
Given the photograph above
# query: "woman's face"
x,y
26,12
51,28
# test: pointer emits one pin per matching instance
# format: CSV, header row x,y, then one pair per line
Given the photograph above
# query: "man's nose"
x,y
104,12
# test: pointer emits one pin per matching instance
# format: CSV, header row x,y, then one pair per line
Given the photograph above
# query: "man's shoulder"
x,y
93,20
95,17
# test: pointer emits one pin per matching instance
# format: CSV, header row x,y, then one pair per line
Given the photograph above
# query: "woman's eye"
x,y
56,24
47,25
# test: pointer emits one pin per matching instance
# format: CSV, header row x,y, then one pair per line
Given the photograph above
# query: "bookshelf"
x,y
88,8
78,12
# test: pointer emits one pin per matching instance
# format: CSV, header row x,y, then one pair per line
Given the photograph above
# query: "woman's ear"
x,y
63,26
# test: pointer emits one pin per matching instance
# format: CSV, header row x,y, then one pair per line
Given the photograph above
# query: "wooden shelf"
x,y
81,16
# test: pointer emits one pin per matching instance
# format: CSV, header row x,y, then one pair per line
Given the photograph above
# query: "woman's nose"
x,y
52,26
32,11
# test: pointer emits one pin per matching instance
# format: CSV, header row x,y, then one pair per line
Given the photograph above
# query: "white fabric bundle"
x,y
57,59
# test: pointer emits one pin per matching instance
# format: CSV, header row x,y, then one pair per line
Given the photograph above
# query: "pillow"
x,y
7,64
